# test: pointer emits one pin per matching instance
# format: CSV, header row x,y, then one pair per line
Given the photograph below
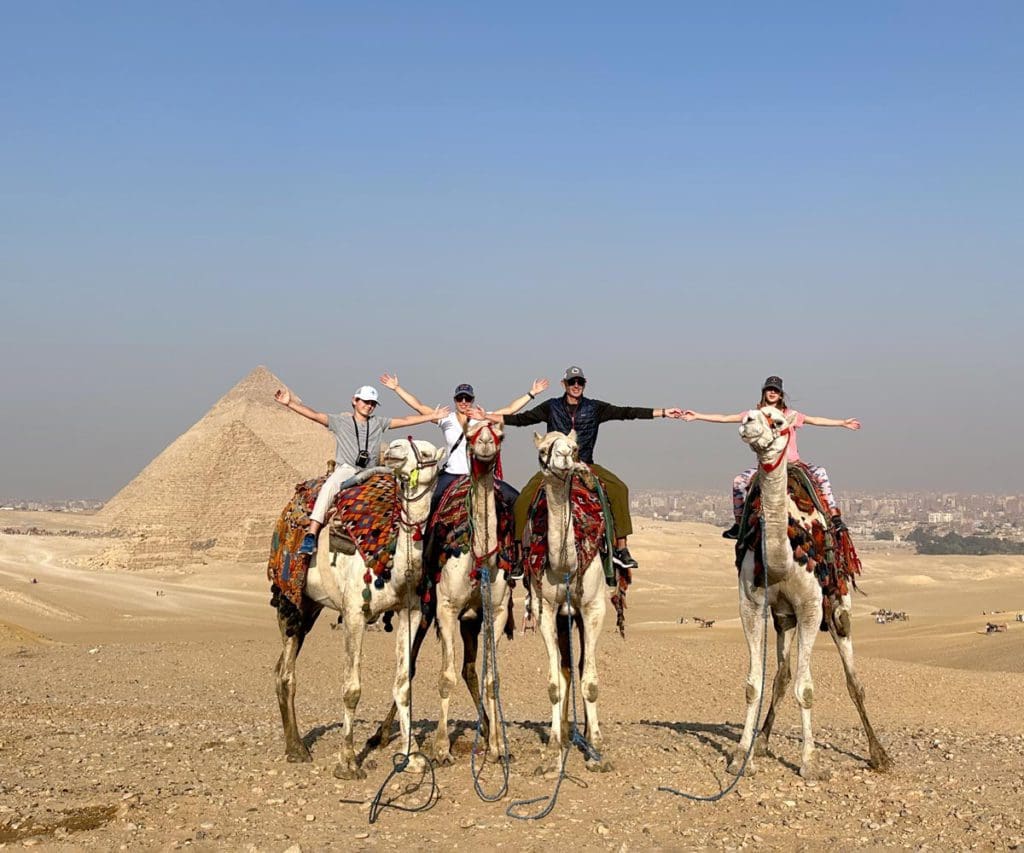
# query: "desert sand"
x,y
138,712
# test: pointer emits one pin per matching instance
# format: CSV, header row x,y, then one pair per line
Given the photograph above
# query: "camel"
x,y
584,593
794,597
459,594
338,583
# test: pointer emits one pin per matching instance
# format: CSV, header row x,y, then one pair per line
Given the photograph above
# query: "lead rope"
x,y
400,761
490,655
575,736
760,702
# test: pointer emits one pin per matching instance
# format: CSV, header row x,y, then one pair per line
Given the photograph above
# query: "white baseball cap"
x,y
366,392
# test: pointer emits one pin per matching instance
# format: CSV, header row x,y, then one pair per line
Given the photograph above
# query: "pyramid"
x,y
216,491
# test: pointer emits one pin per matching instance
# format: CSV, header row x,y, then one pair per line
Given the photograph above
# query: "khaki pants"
x,y
618,499
329,491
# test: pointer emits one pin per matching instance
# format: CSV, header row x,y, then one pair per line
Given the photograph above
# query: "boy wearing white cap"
x,y
357,436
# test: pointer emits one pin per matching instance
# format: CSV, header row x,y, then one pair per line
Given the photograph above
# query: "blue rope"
x,y
575,736
490,653
760,703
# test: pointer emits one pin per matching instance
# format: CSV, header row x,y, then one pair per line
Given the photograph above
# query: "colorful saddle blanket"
x,y
588,524
829,554
450,531
368,513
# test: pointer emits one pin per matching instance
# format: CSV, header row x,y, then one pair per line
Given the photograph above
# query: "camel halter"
x,y
771,466
414,478
479,467
544,460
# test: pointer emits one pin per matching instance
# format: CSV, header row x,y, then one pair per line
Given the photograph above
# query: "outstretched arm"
x,y
518,403
849,423
411,420
389,381
690,415
291,401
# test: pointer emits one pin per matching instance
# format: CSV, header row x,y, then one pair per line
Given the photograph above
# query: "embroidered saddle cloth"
x,y
367,514
588,522
828,553
450,531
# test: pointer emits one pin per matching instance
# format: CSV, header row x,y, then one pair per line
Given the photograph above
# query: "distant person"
x,y
454,428
573,411
773,395
357,439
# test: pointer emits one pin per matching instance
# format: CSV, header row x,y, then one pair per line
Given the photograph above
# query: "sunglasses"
x,y
580,382
463,398
371,403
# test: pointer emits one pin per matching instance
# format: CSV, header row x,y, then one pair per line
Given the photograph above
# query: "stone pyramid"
x,y
215,492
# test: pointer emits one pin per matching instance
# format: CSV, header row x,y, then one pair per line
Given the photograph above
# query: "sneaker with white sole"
x,y
623,559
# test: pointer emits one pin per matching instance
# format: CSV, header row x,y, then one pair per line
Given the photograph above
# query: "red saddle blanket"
x,y
367,512
450,531
828,553
588,523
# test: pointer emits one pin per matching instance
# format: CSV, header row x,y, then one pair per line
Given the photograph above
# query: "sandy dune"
x,y
138,710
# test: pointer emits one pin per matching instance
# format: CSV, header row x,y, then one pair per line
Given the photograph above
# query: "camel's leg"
x,y
752,619
556,682
591,622
784,632
808,625
353,628
402,691
470,631
294,747
564,626
446,623
879,758
499,616
382,737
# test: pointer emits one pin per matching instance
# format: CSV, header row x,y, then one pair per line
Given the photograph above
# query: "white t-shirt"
x,y
458,459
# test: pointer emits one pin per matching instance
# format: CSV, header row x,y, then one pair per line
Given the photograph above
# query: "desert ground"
x,y
138,712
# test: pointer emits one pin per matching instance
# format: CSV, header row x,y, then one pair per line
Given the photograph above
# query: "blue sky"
x,y
682,198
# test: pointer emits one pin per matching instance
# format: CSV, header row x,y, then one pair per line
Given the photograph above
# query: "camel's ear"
x,y
572,436
538,439
791,419
439,453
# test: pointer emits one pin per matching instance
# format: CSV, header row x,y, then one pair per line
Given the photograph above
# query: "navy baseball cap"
x,y
464,388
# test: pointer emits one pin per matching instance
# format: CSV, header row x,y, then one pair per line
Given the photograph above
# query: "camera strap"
x,y
365,450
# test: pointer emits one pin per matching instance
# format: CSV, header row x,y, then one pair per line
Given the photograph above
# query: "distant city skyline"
x,y
681,199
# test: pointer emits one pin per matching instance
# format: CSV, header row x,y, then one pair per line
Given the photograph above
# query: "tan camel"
x,y
794,596
337,583
584,593
460,596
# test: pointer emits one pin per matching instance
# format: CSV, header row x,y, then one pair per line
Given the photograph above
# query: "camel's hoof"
x,y
736,765
602,766
344,771
760,748
444,759
881,763
299,756
813,773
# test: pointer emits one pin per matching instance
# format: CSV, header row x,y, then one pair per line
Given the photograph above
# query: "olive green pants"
x,y
618,500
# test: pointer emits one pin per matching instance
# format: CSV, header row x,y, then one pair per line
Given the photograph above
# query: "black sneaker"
x,y
623,559
516,572
839,526
732,533
308,545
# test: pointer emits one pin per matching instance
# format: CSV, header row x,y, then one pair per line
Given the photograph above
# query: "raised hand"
x,y
851,423
441,412
389,381
477,413
283,396
538,386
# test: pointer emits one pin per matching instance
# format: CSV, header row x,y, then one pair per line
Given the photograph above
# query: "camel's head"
x,y
484,440
413,461
766,431
557,453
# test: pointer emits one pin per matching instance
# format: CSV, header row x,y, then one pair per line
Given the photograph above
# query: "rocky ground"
x,y
145,718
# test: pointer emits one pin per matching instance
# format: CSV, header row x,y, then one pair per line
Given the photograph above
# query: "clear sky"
x,y
682,198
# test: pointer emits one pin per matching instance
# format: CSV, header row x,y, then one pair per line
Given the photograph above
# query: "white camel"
x,y
794,596
337,583
460,597
584,592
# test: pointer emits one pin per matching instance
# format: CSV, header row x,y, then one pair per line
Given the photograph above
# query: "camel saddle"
x,y
818,547
449,533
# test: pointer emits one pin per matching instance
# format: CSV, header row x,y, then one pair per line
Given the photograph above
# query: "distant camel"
x,y
795,598
340,584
